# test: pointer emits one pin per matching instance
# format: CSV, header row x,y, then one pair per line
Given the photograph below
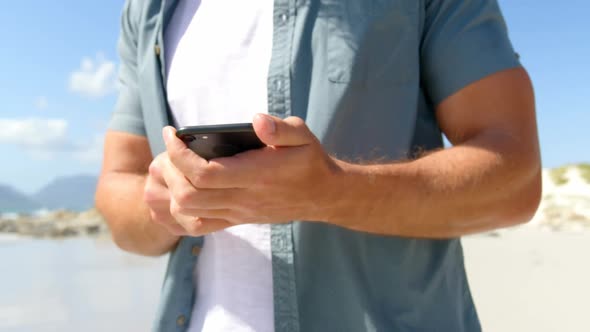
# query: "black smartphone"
x,y
215,141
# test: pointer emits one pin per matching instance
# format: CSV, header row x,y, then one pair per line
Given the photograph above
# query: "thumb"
x,y
274,131
183,158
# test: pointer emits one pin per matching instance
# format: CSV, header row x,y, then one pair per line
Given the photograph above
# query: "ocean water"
x,y
76,285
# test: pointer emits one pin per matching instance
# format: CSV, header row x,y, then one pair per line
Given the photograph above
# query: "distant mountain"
x,y
71,193
12,200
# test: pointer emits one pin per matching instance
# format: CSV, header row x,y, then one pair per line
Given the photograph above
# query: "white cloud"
x,y
34,133
48,138
95,78
41,103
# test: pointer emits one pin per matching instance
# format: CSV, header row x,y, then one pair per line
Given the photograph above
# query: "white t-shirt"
x,y
217,58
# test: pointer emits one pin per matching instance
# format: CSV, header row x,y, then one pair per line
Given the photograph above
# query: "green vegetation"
x,y
584,172
558,175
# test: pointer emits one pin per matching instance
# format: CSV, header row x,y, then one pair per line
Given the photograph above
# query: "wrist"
x,y
363,193
338,198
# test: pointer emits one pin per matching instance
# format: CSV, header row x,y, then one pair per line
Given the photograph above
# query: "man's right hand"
x,y
157,197
120,196
163,208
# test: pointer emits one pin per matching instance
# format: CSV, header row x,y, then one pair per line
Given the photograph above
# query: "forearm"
x,y
119,199
488,182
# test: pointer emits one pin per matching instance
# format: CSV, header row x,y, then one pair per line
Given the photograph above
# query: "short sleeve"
x,y
463,41
127,115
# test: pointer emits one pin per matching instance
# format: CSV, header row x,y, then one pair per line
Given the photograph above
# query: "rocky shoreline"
x,y
565,207
553,214
55,224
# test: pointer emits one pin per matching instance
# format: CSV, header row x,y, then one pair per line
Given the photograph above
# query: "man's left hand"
x,y
292,178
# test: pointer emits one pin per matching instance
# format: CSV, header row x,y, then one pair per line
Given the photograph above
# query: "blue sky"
x,y
58,82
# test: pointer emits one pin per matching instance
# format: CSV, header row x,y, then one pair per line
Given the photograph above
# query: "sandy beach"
x,y
78,284
530,279
527,279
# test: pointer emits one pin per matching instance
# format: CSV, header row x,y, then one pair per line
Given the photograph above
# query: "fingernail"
x,y
167,132
272,127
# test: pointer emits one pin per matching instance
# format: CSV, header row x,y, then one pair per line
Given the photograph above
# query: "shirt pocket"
x,y
375,40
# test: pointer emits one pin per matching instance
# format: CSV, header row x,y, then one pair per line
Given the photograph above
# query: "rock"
x,y
565,206
56,224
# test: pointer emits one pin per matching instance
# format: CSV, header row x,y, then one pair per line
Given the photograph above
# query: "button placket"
x,y
279,104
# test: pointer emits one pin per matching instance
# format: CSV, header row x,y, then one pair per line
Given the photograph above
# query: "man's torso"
x,y
365,76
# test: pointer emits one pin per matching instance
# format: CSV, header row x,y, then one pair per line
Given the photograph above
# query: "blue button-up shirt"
x,y
366,76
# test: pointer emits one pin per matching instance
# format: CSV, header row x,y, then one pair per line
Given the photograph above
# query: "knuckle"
x,y
149,200
148,194
153,216
151,194
175,210
296,122
203,177
184,197
154,169
193,228
157,218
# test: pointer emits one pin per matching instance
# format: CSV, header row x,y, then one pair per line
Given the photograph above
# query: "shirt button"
x,y
283,17
196,250
278,85
180,320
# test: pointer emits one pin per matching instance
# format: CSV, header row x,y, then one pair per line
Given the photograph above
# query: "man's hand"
x,y
164,210
157,196
489,179
119,196
290,179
